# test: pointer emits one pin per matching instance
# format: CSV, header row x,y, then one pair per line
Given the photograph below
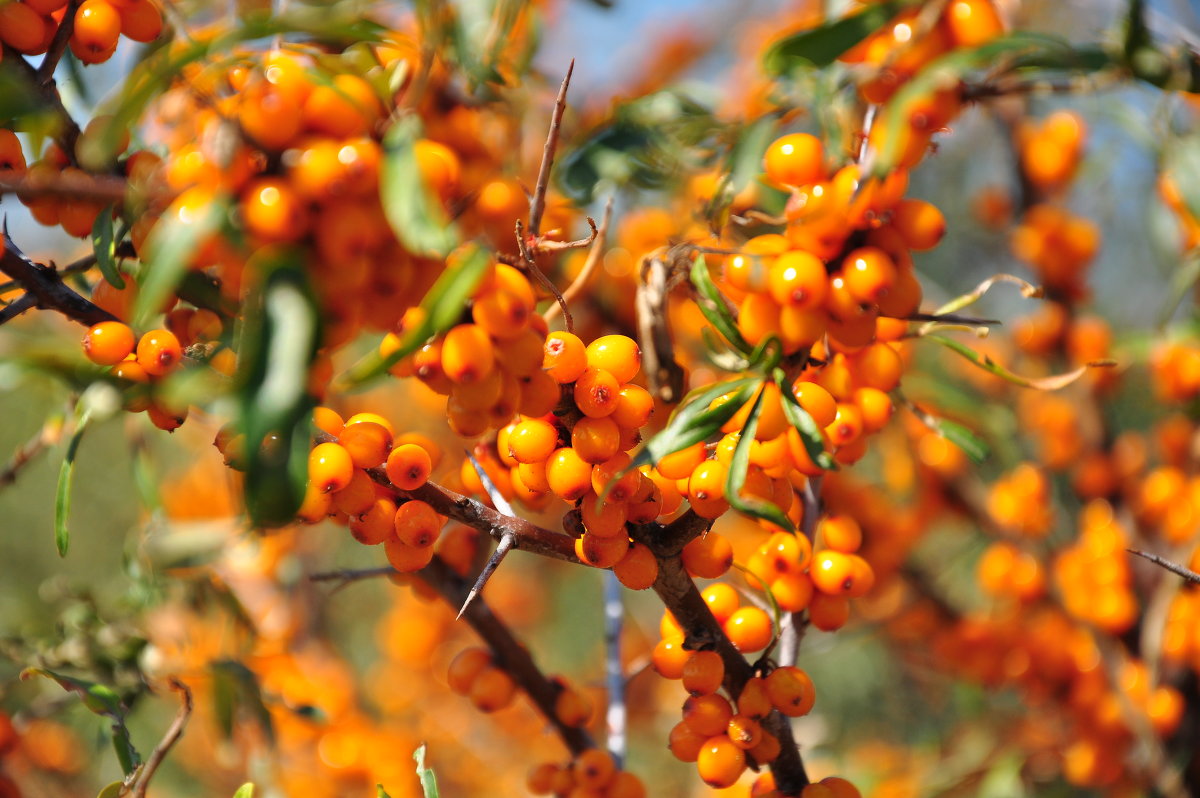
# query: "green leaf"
x,y
821,46
424,773
415,214
279,338
235,686
798,417
443,306
985,362
245,791
104,246
972,445
114,790
380,792
742,165
712,304
735,477
101,700
62,494
173,241
695,421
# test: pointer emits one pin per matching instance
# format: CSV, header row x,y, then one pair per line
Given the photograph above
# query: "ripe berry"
x,y
708,556
595,439
567,474
417,524
408,466
405,558
669,656
749,629
596,392
707,714
638,569
108,343
706,489
634,407
919,223
720,762
594,768
467,354
377,524
703,673
492,690
798,279
367,442
601,552
744,732
97,28
465,666
619,355
827,612
840,533
158,352
272,211
604,519
796,159
684,742
565,357
869,274
141,20
791,691
330,468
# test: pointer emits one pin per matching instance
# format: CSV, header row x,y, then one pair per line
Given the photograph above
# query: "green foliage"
x,y
694,421
822,45
412,209
235,687
985,362
714,306
735,478
245,791
104,247
798,417
170,247
425,773
101,700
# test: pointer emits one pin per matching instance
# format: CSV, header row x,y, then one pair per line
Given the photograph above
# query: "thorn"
x,y
507,541
492,491
1173,567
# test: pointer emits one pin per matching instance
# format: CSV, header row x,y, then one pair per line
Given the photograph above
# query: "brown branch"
x,y
47,286
169,739
594,258
537,205
1173,567
532,267
48,435
69,134
543,246
58,46
348,575
17,307
72,185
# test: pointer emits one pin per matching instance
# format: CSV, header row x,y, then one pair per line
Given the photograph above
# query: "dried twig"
x,y
74,185
594,258
47,436
1173,567
662,372
532,267
537,204
544,246
507,539
169,739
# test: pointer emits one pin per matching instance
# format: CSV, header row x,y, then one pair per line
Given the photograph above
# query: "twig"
x,y
615,716
537,205
18,306
594,258
532,267
169,739
48,435
812,507
75,185
47,287
1173,567
543,246
58,46
663,373
348,575
69,134
507,540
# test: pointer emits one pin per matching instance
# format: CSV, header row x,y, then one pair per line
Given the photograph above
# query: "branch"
x,y
594,258
532,267
48,91
72,185
17,307
49,434
663,372
169,739
45,72
1173,567
47,287
537,205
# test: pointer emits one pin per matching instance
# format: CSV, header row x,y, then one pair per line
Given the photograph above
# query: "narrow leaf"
x,y
442,306
695,421
972,445
412,209
62,494
425,773
114,790
171,245
1027,289
243,691
101,700
823,45
1052,383
711,302
735,477
798,417
245,791
104,246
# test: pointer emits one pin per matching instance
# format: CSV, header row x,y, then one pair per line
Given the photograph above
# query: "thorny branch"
x,y
595,257
537,205
47,287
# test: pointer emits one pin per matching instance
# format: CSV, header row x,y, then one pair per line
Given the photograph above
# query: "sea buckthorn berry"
x,y
480,395
532,440
749,629
796,159
669,656
815,399
722,600
840,787
869,274
271,116
681,464
567,474
330,467
601,552
634,407
405,558
166,420
565,357
358,496
708,556
417,524
367,442
787,554
12,157
684,742
595,439
827,612
833,572
720,762
919,223
596,393
798,279
315,506
877,366
816,791
539,394
791,691
439,167
344,109
744,732
619,355
141,21
638,569
408,466
272,211
604,519
840,533
108,343
625,785
533,476
616,478
707,714
706,489
971,23
754,701
467,354
97,28
22,28
465,666
594,768
158,352
875,407
703,672
377,524
847,425
492,690
540,780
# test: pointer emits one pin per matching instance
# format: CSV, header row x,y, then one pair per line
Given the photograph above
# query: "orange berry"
x,y
619,355
634,407
792,592
565,357
796,159
467,354
601,552
669,656
681,464
706,489
791,691
367,442
720,762
408,466
377,524
158,352
532,440
819,403
703,672
358,496
492,690
330,468
708,556
439,167
744,732
108,343
798,279
572,708
405,558
271,117
753,701
596,392
568,475
97,28
919,223
840,533
722,600
594,768
685,743
749,629
465,666
22,28
869,274
707,714
638,569
595,440
971,23
141,20
348,107
847,425
272,211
